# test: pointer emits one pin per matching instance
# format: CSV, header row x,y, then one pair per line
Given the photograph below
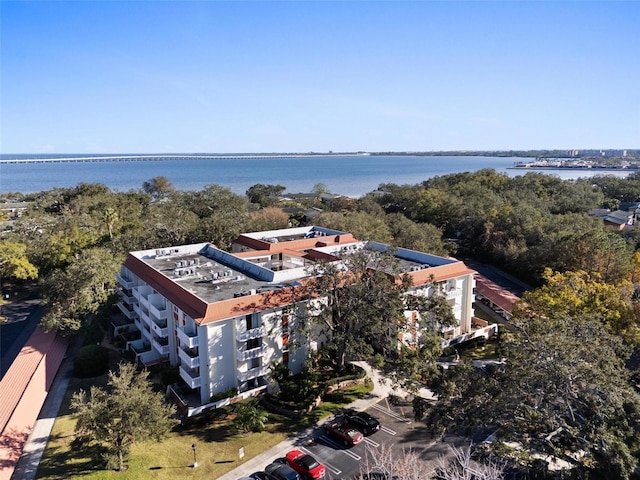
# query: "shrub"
x,y
250,418
228,393
91,361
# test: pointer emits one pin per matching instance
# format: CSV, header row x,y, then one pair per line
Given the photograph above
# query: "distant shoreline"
x,y
524,167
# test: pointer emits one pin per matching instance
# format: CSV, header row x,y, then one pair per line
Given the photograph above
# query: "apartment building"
x,y
223,317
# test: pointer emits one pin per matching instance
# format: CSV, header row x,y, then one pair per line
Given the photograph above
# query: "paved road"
x,y
23,316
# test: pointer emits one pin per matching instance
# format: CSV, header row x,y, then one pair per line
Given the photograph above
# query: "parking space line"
x,y
338,448
327,465
368,441
387,430
391,414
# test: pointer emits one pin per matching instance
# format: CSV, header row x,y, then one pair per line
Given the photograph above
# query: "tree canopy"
x,y
563,388
362,307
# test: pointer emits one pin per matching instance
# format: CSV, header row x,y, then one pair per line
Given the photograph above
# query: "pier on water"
x,y
157,158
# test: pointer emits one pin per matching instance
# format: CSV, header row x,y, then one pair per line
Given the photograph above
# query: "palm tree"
x,y
250,418
110,216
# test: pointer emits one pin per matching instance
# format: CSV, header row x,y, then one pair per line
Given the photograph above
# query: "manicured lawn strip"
x,y
217,445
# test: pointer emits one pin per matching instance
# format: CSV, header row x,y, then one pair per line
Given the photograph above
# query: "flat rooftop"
x,y
214,275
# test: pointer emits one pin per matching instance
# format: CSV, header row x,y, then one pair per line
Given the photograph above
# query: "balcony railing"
x,y
160,314
129,313
251,334
189,340
140,346
190,377
125,296
253,373
125,282
161,347
136,293
187,360
244,355
161,330
454,293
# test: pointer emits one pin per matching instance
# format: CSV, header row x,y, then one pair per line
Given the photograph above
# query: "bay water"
x,y
352,176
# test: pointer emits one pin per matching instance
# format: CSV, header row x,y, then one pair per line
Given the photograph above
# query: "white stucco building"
x,y
222,317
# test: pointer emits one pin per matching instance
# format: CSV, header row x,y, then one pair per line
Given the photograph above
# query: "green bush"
x,y
91,361
228,393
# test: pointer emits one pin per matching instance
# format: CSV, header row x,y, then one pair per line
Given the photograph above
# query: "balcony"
x,y
244,355
159,313
136,293
161,345
253,373
127,312
191,377
188,360
160,328
125,282
139,346
189,340
126,296
454,293
145,332
251,334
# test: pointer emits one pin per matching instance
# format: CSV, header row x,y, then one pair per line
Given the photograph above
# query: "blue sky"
x,y
299,76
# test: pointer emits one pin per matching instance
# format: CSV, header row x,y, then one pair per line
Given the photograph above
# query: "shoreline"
x,y
582,168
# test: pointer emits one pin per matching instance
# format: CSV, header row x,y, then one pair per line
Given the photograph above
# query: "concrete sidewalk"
x,y
381,390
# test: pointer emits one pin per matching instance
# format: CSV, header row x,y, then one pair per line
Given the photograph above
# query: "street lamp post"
x,y
195,460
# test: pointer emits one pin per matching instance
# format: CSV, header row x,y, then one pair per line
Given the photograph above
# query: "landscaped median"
x,y
218,445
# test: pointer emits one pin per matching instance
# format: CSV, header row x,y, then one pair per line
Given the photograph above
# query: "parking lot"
x,y
398,431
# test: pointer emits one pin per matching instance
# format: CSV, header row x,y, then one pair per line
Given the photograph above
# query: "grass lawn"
x,y
217,444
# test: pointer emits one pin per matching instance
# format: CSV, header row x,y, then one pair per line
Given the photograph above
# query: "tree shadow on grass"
x,y
71,463
216,432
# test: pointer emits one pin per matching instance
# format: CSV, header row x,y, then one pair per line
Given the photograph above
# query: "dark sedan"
x,y
364,422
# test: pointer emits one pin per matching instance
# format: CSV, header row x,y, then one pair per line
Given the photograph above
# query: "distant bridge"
x,y
156,158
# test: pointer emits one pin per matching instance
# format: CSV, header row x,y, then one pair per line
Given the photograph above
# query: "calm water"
x,y
349,175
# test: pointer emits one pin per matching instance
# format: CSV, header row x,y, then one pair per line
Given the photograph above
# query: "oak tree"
x,y
128,411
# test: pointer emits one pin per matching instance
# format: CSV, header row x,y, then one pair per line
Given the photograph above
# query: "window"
x,y
250,322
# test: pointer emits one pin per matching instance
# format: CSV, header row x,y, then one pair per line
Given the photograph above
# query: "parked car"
x,y
364,422
281,471
262,476
305,464
344,433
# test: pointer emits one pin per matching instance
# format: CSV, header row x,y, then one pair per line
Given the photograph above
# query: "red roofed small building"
x,y
499,299
23,390
222,317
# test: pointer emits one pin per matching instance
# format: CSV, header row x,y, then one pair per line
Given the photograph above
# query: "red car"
x,y
305,464
344,433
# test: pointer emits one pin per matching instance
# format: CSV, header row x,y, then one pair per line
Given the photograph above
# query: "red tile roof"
x,y
23,391
497,295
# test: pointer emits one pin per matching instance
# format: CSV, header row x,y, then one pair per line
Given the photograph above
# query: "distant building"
x,y
619,219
